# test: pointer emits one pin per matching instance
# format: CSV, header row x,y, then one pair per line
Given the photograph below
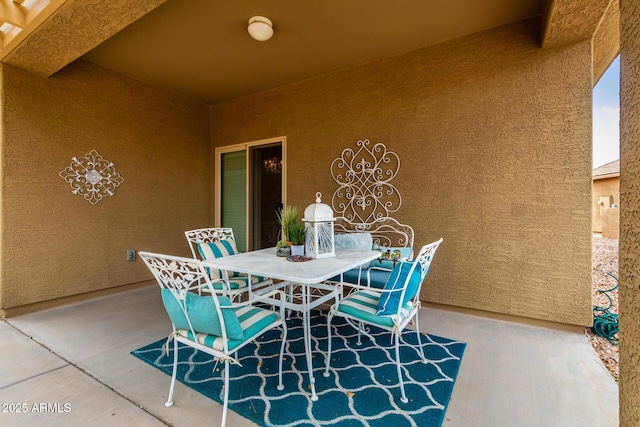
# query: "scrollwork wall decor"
x,y
92,177
365,192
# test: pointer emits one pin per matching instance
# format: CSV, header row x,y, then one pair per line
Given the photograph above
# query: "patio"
x,y
511,373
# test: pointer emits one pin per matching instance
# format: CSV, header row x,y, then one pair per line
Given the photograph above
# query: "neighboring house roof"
x,y
609,170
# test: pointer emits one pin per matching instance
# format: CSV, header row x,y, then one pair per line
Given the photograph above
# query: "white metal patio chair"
x,y
209,322
207,243
391,308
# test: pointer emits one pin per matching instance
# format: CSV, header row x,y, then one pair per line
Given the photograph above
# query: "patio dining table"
x,y
307,277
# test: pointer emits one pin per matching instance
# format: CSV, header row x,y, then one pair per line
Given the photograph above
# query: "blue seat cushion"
x,y
202,312
378,278
405,274
240,281
253,320
364,304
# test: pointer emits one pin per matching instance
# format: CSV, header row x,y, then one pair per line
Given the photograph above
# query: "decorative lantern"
x,y
319,220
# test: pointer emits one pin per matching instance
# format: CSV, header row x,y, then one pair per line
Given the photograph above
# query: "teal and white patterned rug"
x,y
364,392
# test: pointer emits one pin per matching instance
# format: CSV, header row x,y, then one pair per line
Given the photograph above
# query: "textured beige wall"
x,y
56,244
571,21
494,137
606,41
630,213
611,223
603,187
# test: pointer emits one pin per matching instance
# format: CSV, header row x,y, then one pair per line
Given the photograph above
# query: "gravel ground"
x,y
605,258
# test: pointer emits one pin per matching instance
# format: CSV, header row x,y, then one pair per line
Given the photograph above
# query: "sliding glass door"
x,y
234,196
250,183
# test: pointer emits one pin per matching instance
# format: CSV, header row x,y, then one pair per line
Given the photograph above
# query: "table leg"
x,y
306,325
249,282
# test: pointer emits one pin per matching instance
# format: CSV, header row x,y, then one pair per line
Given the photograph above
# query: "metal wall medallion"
x,y
92,177
365,192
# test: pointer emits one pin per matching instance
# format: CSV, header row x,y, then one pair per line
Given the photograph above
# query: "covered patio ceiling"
x,y
201,49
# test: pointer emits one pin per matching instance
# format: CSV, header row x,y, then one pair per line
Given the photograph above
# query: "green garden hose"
x,y
605,323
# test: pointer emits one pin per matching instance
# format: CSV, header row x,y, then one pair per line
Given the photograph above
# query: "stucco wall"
x,y
494,137
57,244
611,223
630,213
603,187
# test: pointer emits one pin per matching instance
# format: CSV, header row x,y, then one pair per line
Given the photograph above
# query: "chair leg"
x,y
403,396
173,375
424,359
226,393
326,369
284,339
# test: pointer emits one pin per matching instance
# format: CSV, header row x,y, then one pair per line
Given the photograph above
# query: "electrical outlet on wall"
x,y
131,254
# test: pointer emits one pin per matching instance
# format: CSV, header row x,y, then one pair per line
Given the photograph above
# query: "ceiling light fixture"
x,y
260,28
273,165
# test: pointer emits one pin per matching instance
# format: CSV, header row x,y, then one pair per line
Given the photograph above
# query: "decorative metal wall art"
x,y
92,177
365,191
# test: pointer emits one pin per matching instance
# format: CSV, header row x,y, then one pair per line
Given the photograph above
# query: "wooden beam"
x,y
12,13
37,13
76,27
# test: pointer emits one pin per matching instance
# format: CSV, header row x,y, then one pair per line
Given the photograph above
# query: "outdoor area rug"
x,y
362,389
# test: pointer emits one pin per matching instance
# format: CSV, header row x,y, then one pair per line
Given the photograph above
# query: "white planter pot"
x,y
297,249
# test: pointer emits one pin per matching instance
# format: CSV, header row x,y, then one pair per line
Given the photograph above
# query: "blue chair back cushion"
x,y
353,241
202,313
219,249
400,276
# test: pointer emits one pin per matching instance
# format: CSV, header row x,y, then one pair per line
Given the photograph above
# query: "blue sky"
x,y
606,116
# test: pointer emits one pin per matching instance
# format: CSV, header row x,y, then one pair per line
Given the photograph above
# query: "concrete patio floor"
x,y
75,360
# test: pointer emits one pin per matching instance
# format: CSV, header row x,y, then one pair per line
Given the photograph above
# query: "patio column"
x,y
629,304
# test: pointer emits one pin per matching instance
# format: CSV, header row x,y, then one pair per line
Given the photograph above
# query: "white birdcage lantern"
x,y
319,220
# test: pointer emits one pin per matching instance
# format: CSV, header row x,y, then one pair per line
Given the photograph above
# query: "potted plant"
x,y
287,216
282,249
297,234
